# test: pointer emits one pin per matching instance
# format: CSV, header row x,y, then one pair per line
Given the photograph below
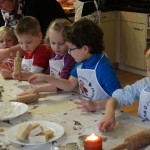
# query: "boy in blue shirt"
x,y
93,72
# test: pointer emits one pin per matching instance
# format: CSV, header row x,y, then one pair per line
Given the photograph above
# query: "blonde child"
x,y
37,54
85,42
7,39
139,90
61,63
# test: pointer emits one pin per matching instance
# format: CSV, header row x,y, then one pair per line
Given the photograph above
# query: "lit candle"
x,y
93,142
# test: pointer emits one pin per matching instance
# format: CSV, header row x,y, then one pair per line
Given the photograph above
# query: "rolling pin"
x,y
29,98
136,141
17,63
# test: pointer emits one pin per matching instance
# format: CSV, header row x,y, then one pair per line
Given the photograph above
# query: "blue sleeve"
x,y
107,76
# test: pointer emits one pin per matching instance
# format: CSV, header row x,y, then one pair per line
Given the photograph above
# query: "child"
x,y
7,39
94,74
37,54
62,63
126,96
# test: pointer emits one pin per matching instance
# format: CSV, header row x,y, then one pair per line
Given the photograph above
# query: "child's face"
x,y
57,42
79,54
6,40
148,67
29,43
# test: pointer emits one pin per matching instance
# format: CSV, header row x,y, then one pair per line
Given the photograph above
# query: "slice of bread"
x,y
42,137
36,129
23,131
49,133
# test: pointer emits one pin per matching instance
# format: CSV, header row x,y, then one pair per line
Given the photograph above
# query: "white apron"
x,y
78,11
89,86
27,64
56,67
144,103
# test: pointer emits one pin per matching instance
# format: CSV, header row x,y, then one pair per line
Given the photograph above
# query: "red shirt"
x,y
40,56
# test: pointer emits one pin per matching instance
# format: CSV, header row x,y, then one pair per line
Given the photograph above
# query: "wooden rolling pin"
x,y
17,64
30,98
136,141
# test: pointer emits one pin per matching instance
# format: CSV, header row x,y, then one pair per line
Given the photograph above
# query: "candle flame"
x,y
92,137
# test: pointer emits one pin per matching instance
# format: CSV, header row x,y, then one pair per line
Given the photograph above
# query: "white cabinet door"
x,y
132,44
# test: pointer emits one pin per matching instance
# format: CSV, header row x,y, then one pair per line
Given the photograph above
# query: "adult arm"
x,y
5,53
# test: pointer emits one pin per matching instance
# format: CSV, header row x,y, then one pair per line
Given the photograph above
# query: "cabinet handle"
x,y
139,29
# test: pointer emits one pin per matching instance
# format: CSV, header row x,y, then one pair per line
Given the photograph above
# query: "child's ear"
x,y
86,48
40,35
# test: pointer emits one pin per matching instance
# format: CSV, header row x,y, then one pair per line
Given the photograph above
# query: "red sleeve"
x,y
42,56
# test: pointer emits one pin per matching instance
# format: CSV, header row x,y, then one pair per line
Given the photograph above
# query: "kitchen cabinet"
x,y
133,39
108,21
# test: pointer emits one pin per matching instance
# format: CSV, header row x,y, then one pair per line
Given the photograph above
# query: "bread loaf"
x,y
36,129
49,133
42,137
23,131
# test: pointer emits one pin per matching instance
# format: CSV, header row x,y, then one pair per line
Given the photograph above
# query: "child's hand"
x,y
38,78
86,105
6,74
29,91
107,123
17,76
23,76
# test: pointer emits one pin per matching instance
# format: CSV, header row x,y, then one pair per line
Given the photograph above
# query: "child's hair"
x,y
148,54
85,32
10,31
28,25
57,25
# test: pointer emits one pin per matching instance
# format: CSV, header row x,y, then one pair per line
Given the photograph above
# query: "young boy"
x,y
61,63
94,74
139,90
37,54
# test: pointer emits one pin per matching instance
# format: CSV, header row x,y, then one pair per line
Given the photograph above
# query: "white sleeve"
x,y
130,93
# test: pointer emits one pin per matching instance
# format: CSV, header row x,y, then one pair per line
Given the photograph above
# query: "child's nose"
x,y
5,43
25,46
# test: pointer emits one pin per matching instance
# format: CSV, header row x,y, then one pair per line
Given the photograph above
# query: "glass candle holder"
x,y
93,142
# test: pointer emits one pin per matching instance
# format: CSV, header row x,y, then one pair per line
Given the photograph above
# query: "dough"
x,y
54,108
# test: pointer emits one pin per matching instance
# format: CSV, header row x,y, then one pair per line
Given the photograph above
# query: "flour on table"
x,y
54,108
123,130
